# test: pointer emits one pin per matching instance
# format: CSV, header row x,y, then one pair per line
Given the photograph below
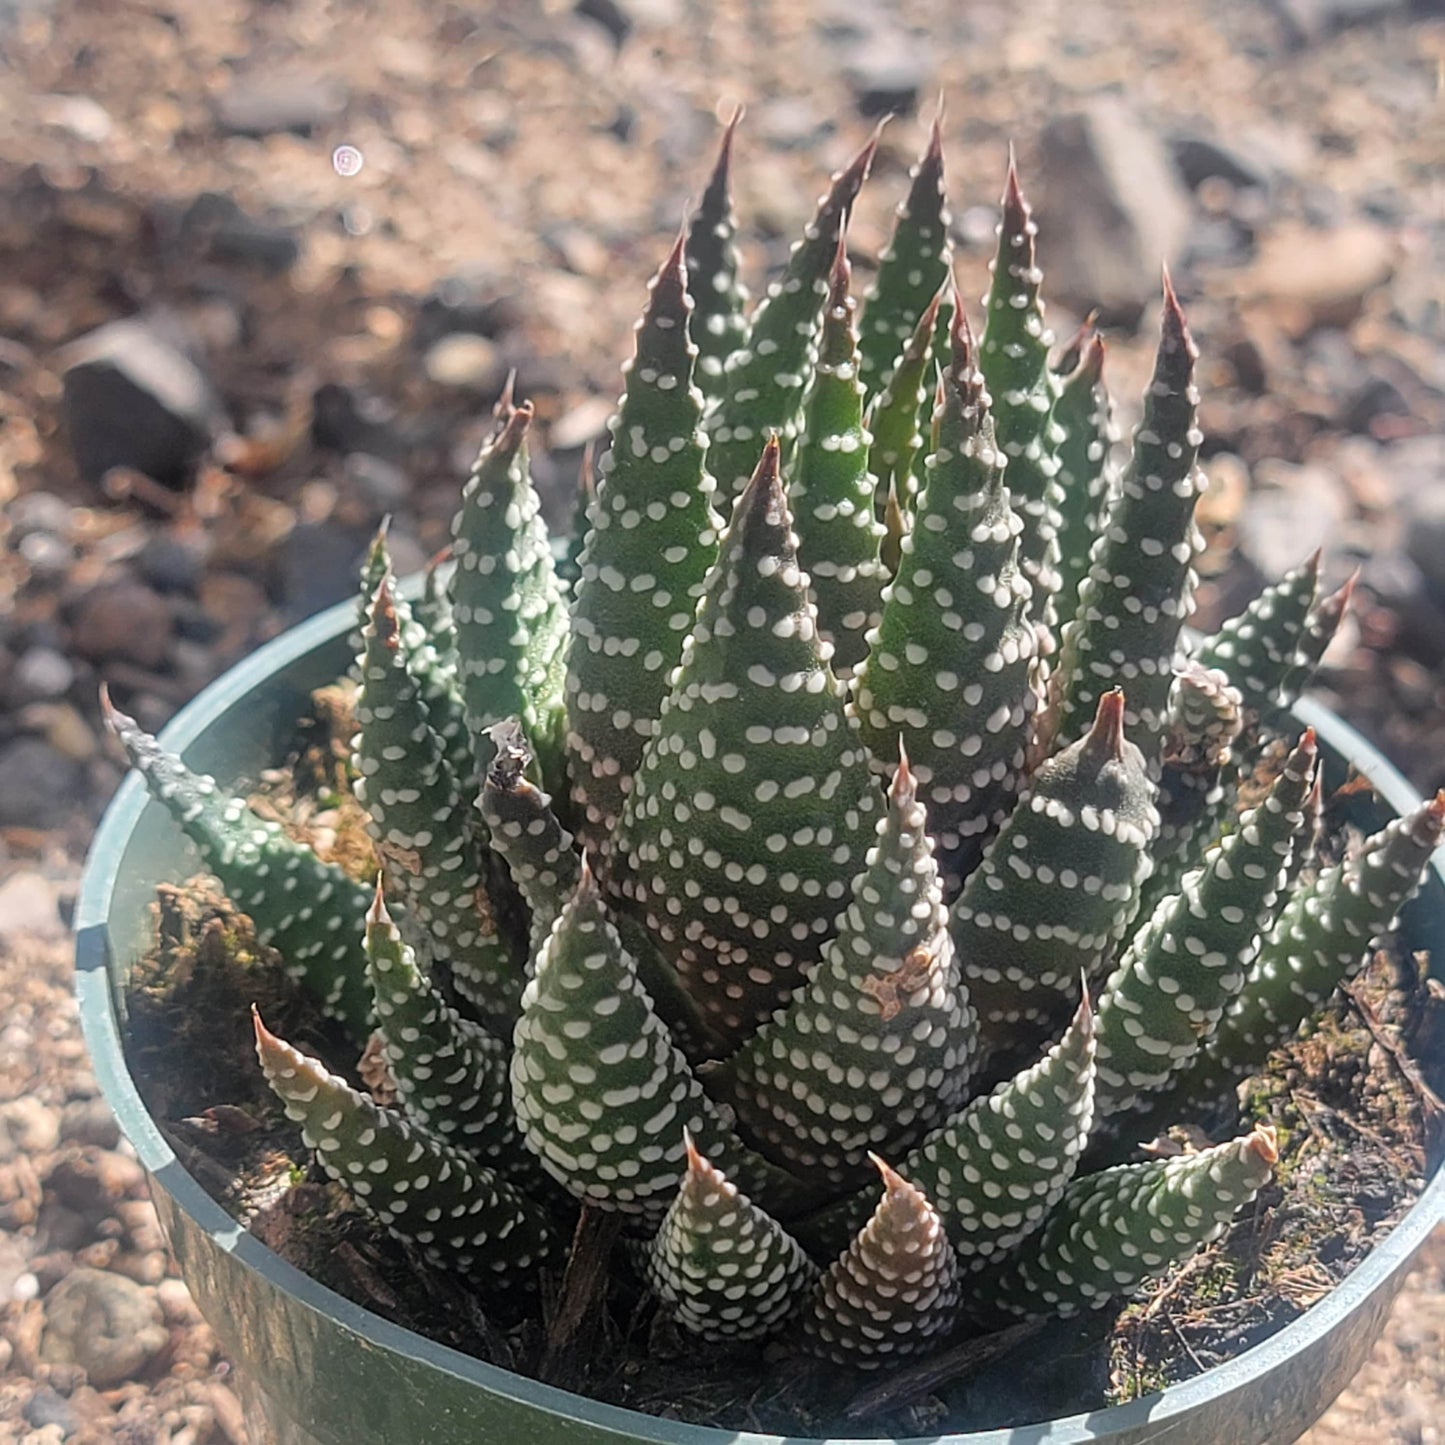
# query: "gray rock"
x,y
1111,209
257,105
105,1323
42,673
320,562
886,74
134,397
30,904
1305,22
39,512
89,1121
610,15
45,1407
1199,158
39,787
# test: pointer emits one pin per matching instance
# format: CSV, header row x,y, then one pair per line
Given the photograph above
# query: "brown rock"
x,y
125,621
1308,278
107,1325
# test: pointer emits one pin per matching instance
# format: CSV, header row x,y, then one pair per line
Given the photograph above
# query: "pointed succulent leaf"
x,y
539,852
375,565
893,1291
1190,960
764,382
1256,650
1140,586
1324,934
866,1055
433,610
894,415
949,668
420,1187
310,912
996,1168
653,536
1060,883
601,1091
914,265
724,1269
718,324
1084,417
434,675
754,804
421,826
1114,1231
1014,358
1321,624
510,618
839,538
450,1074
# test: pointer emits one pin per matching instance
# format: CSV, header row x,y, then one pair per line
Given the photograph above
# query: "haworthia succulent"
x,y
451,1075
538,851
1140,586
764,382
718,324
1189,961
1060,884
1083,415
1256,650
310,912
420,1187
724,1269
754,804
914,265
866,1055
418,819
599,1087
894,416
653,536
1114,1231
832,492
1014,358
1324,934
895,1289
949,668
510,618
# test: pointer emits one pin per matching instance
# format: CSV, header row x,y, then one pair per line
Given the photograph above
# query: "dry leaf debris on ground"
x,y
341,224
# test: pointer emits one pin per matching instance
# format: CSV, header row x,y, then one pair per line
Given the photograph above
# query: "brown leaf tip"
x,y
377,913
1175,338
1107,733
903,789
383,614
1263,1143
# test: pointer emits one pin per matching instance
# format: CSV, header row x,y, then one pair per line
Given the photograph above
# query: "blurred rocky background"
x,y
265,264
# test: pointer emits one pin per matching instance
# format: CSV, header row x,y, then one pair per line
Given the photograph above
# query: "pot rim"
x,y
102,1030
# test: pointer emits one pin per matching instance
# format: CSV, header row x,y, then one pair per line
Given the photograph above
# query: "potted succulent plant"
x,y
856,844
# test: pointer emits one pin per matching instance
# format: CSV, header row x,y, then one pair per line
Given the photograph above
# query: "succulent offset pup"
x,y
852,843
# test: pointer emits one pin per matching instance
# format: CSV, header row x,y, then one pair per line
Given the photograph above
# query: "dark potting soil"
x,y
1358,1114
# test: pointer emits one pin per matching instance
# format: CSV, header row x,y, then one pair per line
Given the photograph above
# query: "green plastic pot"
x,y
314,1366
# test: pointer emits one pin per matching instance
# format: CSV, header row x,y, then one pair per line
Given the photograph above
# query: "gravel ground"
x,y
341,332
